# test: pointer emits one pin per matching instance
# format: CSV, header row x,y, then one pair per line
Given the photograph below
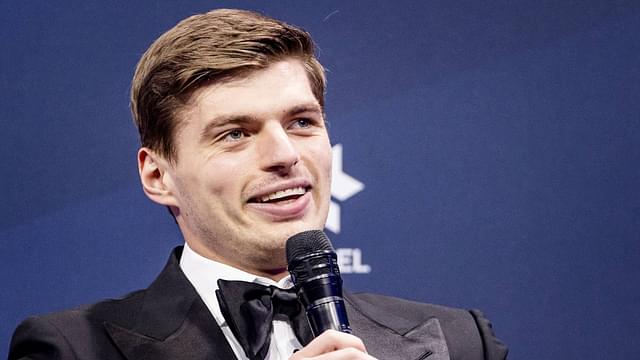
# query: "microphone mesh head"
x,y
305,243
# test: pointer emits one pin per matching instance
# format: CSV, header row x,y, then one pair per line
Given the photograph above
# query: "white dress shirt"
x,y
204,273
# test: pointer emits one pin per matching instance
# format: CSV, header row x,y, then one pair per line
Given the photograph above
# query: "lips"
x,y
284,202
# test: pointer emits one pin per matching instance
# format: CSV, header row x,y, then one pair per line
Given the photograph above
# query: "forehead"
x,y
265,92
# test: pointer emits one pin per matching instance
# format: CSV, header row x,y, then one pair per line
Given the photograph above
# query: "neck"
x,y
273,273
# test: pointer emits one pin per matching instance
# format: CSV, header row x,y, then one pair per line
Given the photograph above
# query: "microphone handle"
x,y
328,313
324,305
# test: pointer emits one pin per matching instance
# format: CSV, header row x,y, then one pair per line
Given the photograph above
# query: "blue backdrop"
x,y
498,144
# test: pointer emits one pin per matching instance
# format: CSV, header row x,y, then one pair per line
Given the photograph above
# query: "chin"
x,y
274,238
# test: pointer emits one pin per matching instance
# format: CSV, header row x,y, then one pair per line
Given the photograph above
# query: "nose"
x,y
276,150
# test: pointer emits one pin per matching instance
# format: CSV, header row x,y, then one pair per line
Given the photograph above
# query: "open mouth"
x,y
280,196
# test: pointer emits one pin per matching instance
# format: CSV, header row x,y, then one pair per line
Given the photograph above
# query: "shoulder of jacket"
x,y
117,310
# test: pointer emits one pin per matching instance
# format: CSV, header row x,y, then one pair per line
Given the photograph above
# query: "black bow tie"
x,y
249,309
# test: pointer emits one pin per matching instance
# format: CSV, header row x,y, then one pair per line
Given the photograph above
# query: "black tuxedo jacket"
x,y
169,320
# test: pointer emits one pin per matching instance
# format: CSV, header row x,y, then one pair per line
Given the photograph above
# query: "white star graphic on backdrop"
x,y
343,187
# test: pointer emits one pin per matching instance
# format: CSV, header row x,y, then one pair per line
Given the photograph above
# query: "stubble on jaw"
x,y
214,241
258,258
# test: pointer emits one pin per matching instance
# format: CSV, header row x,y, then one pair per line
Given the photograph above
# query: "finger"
x,y
345,354
328,341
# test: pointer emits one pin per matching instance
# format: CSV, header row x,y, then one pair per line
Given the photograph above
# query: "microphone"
x,y
313,266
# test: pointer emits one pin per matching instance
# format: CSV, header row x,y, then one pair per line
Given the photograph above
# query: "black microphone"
x,y
313,266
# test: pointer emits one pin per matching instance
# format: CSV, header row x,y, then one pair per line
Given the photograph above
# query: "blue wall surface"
x,y
498,143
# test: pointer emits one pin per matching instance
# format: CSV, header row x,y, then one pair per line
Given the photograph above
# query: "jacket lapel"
x,y
172,323
398,338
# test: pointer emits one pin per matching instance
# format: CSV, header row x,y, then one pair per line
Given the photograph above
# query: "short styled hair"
x,y
217,46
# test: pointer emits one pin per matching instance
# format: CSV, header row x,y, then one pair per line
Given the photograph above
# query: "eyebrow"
x,y
311,107
225,120
221,121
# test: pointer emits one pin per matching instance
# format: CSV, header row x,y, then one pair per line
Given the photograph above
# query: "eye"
x,y
234,135
302,123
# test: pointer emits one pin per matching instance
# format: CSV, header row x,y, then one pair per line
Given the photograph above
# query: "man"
x,y
229,106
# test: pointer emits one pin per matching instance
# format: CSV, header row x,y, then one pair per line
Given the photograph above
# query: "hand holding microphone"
x,y
333,345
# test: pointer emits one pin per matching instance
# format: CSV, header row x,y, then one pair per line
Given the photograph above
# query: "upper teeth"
x,y
283,193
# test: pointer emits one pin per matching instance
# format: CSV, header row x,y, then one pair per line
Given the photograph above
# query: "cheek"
x,y
325,157
225,178
321,158
215,178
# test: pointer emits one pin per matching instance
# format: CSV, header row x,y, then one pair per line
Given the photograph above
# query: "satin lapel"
x,y
391,341
172,322
198,338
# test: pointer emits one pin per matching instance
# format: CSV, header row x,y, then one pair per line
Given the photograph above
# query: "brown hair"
x,y
216,46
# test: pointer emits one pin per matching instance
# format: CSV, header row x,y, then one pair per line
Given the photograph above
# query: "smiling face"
x,y
253,168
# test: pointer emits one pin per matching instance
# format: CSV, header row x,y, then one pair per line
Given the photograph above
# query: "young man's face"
x,y
253,167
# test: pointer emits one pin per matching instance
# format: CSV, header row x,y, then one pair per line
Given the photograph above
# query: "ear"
x,y
155,175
